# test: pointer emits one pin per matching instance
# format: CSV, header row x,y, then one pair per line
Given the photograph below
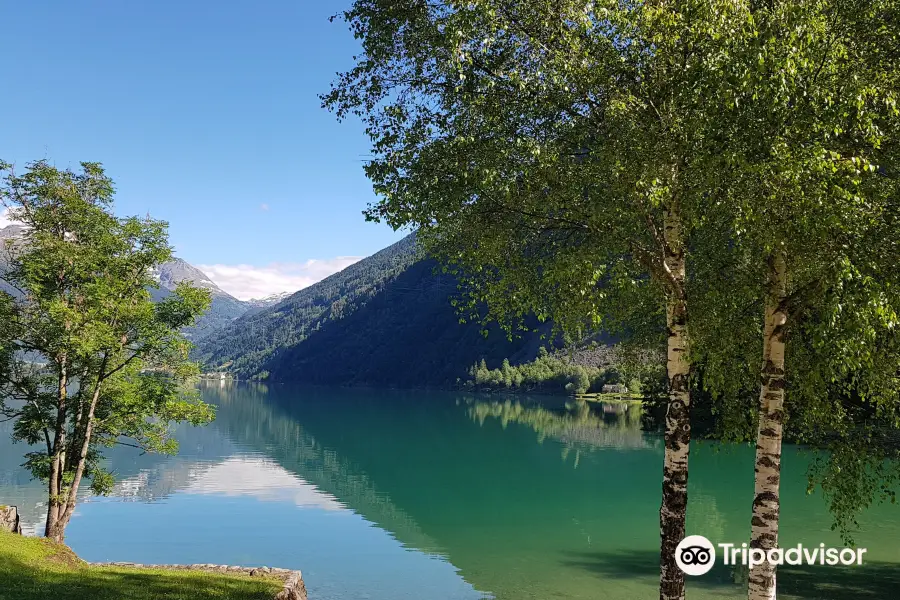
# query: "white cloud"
x,y
262,479
247,281
264,206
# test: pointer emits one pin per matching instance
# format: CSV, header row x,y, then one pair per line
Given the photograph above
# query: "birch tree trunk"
x,y
673,511
766,501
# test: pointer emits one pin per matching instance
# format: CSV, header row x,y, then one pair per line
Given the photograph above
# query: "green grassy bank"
x,y
33,568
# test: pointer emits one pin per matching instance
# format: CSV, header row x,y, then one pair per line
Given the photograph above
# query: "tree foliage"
x,y
548,373
809,188
570,158
88,360
560,157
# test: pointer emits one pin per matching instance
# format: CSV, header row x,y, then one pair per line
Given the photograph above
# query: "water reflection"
x,y
431,495
578,424
240,475
488,498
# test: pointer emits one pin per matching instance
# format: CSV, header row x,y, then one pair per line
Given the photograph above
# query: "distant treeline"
x,y
549,373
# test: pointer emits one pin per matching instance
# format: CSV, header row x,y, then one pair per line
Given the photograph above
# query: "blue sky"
x,y
206,114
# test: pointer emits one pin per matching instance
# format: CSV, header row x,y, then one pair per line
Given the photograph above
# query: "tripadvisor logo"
x,y
696,555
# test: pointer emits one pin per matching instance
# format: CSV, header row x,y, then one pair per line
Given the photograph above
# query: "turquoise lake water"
x,y
421,496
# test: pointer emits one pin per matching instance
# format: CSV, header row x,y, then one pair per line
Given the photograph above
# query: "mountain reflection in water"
x,y
386,494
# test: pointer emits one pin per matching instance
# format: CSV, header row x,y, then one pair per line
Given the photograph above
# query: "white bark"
x,y
766,500
673,511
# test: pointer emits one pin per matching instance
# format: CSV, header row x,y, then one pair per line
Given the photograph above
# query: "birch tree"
x,y
812,99
559,157
87,360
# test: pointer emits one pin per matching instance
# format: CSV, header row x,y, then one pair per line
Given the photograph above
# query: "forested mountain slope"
x,y
245,346
384,321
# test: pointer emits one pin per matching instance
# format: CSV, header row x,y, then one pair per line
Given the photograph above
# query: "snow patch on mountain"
x,y
269,300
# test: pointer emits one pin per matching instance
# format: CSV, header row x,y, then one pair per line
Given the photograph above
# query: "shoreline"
x,y
294,586
35,561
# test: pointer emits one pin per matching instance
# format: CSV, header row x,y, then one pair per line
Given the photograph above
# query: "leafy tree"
x,y
87,360
810,114
582,380
562,157
550,373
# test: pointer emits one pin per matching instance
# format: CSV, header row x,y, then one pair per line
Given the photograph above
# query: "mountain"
x,y
255,305
177,270
9,236
246,346
224,308
11,232
383,321
269,300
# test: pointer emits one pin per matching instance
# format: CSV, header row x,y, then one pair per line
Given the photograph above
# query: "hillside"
x,y
247,345
384,321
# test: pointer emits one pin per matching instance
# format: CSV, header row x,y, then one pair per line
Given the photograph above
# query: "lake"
x,y
425,495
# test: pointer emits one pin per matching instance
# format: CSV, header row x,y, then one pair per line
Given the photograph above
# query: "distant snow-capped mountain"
x,y
269,300
175,271
224,309
9,239
11,232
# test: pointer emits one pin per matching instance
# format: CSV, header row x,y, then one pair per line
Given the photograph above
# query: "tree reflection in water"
x,y
579,425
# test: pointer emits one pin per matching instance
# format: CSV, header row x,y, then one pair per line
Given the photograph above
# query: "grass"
x,y
33,568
